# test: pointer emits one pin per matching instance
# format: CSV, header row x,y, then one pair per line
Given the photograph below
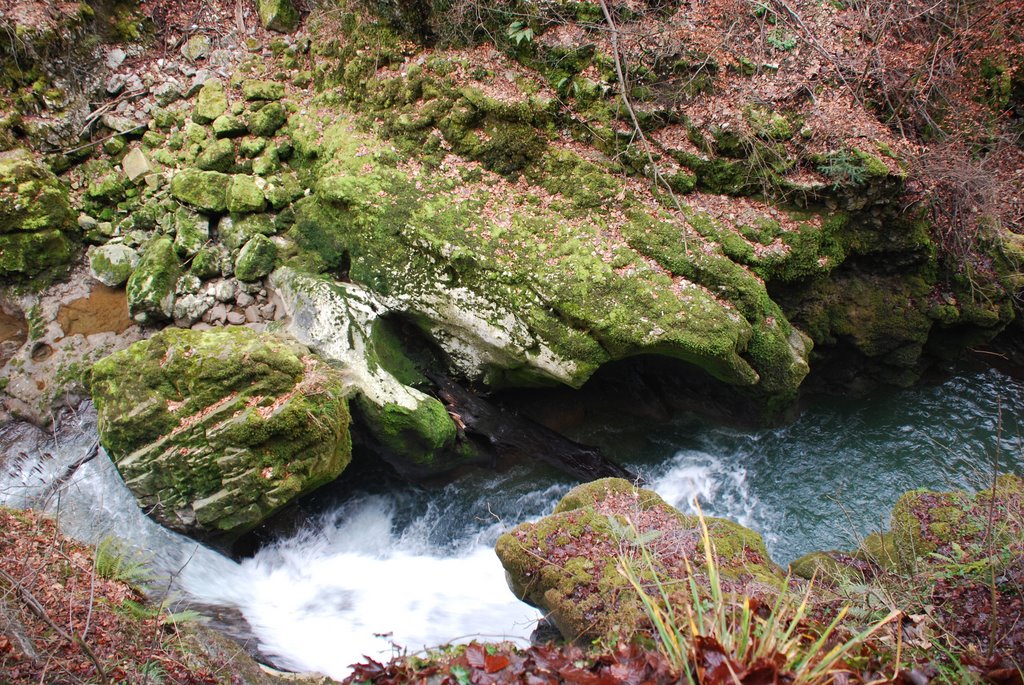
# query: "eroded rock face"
x,y
569,564
338,321
214,431
35,217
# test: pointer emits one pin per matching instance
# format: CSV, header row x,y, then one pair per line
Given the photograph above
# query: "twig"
x,y
637,130
34,605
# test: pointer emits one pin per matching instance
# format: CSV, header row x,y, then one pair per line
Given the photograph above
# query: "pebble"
x,y
244,299
235,318
252,314
217,314
267,311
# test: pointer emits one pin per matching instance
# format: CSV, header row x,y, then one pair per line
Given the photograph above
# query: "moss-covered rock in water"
x,y
569,564
113,263
36,222
151,286
207,191
256,259
211,102
278,15
214,431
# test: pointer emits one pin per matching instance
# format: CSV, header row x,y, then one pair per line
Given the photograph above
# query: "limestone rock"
x,y
278,15
229,126
245,195
191,232
254,89
566,563
113,263
211,102
135,164
337,320
36,221
236,232
214,431
196,48
219,155
204,190
267,119
151,286
256,259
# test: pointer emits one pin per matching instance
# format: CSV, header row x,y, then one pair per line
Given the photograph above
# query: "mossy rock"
x,y
112,264
37,229
207,191
151,287
211,102
569,564
191,232
236,231
244,195
253,89
278,15
219,155
256,259
214,431
931,530
268,119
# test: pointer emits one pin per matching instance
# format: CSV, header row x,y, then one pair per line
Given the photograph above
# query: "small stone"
x,y
202,326
115,58
119,124
206,262
235,318
188,284
244,299
250,147
252,314
221,58
267,311
196,48
224,291
115,84
86,222
135,164
218,313
254,89
190,308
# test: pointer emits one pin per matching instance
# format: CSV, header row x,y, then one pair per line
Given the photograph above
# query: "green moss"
x,y
219,155
424,436
268,119
257,259
204,190
225,426
211,102
244,195
150,288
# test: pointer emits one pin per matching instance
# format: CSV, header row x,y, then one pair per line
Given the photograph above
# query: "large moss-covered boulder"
x,y
570,564
214,431
36,223
151,286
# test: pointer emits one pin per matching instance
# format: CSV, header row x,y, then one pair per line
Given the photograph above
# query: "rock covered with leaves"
x,y
214,431
572,564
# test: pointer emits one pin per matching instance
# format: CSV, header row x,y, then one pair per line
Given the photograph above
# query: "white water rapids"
x,y
415,567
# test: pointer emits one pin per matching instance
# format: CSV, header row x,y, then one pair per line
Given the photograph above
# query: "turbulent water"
x,y
386,565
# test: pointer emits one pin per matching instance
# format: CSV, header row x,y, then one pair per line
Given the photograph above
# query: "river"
x,y
381,565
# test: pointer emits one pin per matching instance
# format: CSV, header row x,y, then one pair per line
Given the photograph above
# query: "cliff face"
x,y
535,190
